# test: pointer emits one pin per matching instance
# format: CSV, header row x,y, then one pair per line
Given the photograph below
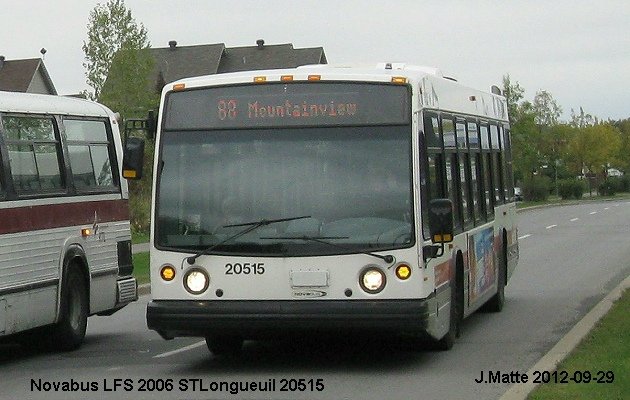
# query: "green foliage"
x,y
110,28
571,189
613,185
127,87
118,65
607,187
623,157
546,109
536,188
593,148
140,195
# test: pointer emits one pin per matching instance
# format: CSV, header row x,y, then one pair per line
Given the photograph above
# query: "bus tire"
x,y
455,312
496,302
69,332
224,345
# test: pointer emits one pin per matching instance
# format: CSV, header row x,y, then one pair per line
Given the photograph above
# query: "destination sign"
x,y
286,105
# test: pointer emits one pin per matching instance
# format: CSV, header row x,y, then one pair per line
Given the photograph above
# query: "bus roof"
x,y
51,104
432,88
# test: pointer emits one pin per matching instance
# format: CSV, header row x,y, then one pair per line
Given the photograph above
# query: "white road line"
x,y
551,226
574,219
606,208
593,212
524,236
183,349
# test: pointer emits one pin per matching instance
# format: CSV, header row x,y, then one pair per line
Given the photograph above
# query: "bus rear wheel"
x,y
69,332
224,345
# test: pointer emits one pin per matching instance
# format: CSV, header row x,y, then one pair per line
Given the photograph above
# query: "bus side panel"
x,y
512,241
28,266
31,259
102,256
3,316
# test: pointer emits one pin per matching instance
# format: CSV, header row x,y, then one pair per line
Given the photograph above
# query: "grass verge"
x,y
604,356
141,267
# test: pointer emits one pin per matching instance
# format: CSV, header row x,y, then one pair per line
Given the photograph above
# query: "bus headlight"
x,y
196,281
372,280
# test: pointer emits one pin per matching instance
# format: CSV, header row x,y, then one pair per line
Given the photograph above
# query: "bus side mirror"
x,y
441,221
133,159
151,124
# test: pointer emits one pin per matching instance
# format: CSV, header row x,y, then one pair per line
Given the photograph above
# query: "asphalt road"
x,y
571,257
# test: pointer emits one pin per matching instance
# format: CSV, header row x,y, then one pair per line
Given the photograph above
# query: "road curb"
x,y
561,350
143,289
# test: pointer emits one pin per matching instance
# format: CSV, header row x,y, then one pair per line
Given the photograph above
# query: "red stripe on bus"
x,y
33,218
442,273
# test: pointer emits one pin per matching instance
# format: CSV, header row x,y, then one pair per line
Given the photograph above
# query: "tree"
x,y
127,89
118,63
546,109
582,120
110,28
513,93
593,148
623,159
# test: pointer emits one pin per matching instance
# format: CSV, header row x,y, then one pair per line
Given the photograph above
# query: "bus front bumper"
x,y
252,319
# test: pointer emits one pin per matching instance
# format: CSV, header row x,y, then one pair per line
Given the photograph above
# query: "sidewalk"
x,y
140,248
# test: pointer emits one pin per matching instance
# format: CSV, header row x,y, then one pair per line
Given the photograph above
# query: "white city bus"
x,y
329,199
65,243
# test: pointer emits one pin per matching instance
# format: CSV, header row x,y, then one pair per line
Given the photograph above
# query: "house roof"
x,y
269,57
176,62
17,75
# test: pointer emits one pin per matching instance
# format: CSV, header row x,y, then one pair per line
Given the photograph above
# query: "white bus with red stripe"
x,y
328,199
65,243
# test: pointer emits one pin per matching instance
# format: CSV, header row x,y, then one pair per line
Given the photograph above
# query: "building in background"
x,y
27,76
176,62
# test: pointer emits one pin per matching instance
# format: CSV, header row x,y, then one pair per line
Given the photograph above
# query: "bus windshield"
x,y
354,183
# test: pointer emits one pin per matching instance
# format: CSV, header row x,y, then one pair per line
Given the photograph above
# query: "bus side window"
x,y
509,173
91,154
497,164
487,171
451,167
34,153
464,189
432,166
475,176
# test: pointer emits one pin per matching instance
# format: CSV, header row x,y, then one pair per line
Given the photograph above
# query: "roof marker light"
x,y
260,79
179,86
286,78
314,77
399,80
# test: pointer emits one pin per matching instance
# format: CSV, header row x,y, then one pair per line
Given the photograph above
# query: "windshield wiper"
x,y
324,239
250,227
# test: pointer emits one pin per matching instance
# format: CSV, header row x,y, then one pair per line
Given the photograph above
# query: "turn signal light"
x,y
403,272
167,273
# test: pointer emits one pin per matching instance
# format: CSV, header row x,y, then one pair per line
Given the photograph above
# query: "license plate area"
x,y
300,279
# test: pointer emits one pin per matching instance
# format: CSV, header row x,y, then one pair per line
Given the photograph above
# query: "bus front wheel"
x,y
496,303
455,312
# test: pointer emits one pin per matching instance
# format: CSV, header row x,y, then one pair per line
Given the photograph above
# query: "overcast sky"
x,y
579,51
